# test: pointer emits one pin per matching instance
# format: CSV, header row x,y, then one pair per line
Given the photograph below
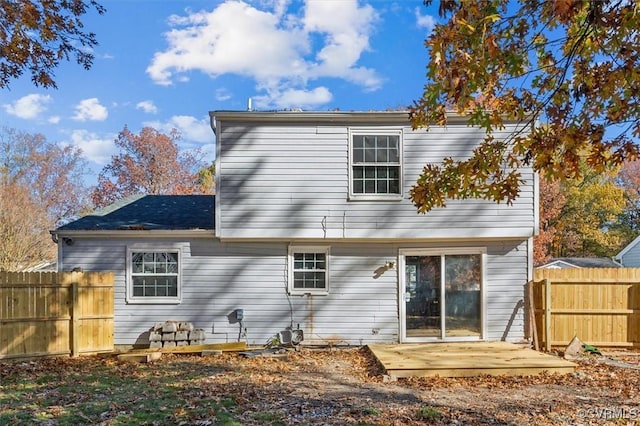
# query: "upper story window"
x,y
376,164
153,276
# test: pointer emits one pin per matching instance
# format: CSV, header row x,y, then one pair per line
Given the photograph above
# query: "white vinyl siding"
x,y
305,170
361,308
629,257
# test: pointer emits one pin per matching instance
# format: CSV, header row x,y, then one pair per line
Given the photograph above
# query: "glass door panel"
x,y
422,296
462,295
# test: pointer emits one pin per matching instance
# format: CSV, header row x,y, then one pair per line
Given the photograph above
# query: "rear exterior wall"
x,y
361,307
291,180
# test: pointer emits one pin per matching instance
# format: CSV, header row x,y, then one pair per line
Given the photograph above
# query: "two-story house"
x,y
312,228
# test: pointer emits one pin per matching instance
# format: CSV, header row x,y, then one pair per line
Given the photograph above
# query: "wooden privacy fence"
x,y
600,306
48,313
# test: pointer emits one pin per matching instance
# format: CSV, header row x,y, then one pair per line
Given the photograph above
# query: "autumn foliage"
x,y
570,69
150,163
41,186
581,218
552,200
35,36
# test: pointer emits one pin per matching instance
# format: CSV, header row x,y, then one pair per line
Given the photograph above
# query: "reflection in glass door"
x,y
422,296
442,296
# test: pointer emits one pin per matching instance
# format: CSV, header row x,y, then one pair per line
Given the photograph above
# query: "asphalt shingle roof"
x,y
150,212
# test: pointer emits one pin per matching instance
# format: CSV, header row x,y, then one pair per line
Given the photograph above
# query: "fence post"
x,y
75,319
547,315
533,328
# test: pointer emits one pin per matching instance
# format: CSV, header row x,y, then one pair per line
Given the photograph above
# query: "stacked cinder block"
x,y
170,334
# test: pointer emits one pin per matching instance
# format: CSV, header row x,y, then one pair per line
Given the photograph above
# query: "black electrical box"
x,y
239,314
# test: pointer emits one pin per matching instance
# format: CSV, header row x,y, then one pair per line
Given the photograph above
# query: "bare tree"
x,y
41,185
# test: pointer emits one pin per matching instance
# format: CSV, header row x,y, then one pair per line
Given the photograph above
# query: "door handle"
x,y
407,296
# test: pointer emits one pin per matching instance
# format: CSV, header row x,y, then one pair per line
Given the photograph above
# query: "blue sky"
x,y
167,63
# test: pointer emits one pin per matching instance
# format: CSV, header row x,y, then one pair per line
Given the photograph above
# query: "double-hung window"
x,y
308,270
376,164
153,276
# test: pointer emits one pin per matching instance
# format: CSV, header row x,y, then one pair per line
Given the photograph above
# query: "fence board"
x,y
39,314
601,306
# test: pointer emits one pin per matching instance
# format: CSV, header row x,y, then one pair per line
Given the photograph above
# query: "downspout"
x,y
212,123
56,240
216,177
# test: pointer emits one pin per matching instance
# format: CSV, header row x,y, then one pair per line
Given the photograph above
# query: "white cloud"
x,y
29,106
424,21
147,106
54,119
295,98
196,134
90,110
281,51
95,148
191,129
222,95
346,29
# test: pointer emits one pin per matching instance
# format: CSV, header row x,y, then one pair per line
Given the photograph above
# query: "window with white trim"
x,y
308,270
153,276
376,164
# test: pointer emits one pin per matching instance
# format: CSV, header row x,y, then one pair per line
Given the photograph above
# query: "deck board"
x,y
466,359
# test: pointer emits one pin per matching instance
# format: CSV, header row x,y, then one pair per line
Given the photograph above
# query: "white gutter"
x,y
185,233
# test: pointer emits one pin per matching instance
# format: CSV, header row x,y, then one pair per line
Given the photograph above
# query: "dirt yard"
x,y
309,387
348,387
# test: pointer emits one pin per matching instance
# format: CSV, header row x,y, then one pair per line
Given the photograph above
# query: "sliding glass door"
x,y
441,295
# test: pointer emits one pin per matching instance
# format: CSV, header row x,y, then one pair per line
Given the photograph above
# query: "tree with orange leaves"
x,y
149,163
36,35
552,200
570,69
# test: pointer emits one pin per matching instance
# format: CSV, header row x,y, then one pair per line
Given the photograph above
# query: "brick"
x,y
182,343
182,335
155,336
196,342
155,344
168,337
169,344
158,326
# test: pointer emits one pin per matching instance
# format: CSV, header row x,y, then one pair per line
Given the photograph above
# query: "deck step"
x,y
466,359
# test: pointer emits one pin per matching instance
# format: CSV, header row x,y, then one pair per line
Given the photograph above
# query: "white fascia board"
x,y
555,263
195,233
366,235
342,117
404,241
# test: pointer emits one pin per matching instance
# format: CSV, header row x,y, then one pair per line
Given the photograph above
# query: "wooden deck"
x,y
466,359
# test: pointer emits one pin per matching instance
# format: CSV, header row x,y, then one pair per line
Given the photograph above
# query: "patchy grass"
x,y
428,414
342,387
104,391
